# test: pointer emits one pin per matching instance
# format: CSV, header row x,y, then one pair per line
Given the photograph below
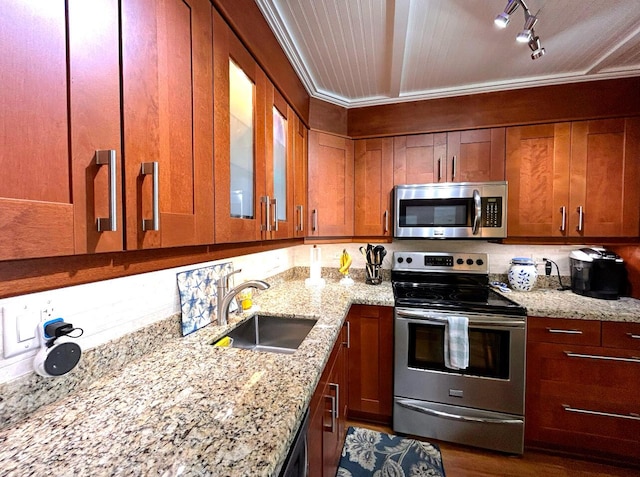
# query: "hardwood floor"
x,y
471,462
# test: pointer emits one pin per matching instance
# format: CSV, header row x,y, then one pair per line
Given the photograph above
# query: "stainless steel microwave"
x,y
451,210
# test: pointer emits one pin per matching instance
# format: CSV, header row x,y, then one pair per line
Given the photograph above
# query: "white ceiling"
x,y
365,52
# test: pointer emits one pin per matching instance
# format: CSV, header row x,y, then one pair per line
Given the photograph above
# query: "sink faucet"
x,y
225,296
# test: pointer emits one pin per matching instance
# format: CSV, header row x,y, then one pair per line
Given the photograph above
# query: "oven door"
x,y
494,379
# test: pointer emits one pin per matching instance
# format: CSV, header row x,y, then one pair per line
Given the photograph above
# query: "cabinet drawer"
x,y
560,330
621,335
584,428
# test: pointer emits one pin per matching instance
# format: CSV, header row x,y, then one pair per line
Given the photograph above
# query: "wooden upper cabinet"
x,y
605,178
574,179
331,170
373,186
52,191
538,176
419,159
476,156
167,110
279,176
300,136
459,156
240,138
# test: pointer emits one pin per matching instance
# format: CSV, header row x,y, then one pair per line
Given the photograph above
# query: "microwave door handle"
x,y
477,203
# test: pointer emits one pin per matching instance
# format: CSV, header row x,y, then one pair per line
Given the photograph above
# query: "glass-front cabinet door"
x,y
239,138
278,201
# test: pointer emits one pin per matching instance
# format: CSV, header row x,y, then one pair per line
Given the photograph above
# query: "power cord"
x,y
548,269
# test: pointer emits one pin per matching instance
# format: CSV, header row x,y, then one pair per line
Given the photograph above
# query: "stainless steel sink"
x,y
274,334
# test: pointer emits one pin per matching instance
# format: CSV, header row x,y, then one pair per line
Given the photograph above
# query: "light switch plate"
x,y
16,322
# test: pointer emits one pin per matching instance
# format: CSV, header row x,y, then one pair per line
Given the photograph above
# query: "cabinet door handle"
x,y
631,416
314,220
108,157
301,216
153,169
603,358
439,169
333,415
564,332
337,401
633,336
348,342
453,168
563,225
266,226
275,214
386,222
580,225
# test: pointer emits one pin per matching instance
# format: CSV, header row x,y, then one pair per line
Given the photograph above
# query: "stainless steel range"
x,y
480,403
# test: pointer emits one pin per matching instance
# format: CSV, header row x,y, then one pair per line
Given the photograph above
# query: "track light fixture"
x,y
527,35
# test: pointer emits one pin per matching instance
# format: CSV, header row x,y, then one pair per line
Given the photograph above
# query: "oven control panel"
x,y
450,262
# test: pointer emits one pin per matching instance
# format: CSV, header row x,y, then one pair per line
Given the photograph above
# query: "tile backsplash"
x,y
111,309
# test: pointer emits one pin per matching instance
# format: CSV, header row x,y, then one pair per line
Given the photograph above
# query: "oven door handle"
x,y
457,417
426,317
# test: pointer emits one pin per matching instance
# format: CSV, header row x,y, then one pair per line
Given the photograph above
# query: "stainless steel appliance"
x,y
598,273
483,404
451,210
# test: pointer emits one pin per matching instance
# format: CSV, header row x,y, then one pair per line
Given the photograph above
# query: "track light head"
x,y
527,32
502,20
536,48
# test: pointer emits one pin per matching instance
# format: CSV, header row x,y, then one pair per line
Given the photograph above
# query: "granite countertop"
x,y
189,408
549,302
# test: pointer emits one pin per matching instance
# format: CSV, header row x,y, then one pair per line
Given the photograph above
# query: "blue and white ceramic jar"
x,y
522,274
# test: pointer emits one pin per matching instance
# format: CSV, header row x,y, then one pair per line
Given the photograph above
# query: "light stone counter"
x,y
189,408
552,303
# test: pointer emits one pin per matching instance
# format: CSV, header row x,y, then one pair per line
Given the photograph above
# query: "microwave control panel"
x,y
492,211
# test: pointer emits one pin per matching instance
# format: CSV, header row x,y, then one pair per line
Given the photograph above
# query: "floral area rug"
x,y
372,453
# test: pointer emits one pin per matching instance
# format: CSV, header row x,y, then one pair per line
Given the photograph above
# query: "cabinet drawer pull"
x,y
563,225
603,358
108,157
564,332
633,336
631,416
152,168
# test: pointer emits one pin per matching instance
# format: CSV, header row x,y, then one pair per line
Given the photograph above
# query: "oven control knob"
x,y
469,261
480,262
400,259
409,259
460,261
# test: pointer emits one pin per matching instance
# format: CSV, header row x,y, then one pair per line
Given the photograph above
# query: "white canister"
x,y
522,274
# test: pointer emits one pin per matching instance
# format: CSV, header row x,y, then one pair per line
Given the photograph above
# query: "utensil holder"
x,y
374,274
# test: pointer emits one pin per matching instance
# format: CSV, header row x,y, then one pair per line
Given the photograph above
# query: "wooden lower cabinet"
x,y
370,363
328,416
582,397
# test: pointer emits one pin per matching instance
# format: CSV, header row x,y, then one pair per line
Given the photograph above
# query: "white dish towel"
x,y
456,342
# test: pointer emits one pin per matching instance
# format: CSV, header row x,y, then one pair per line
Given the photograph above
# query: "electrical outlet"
x,y
19,329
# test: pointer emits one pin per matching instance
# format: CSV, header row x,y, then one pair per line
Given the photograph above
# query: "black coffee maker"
x,y
598,273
